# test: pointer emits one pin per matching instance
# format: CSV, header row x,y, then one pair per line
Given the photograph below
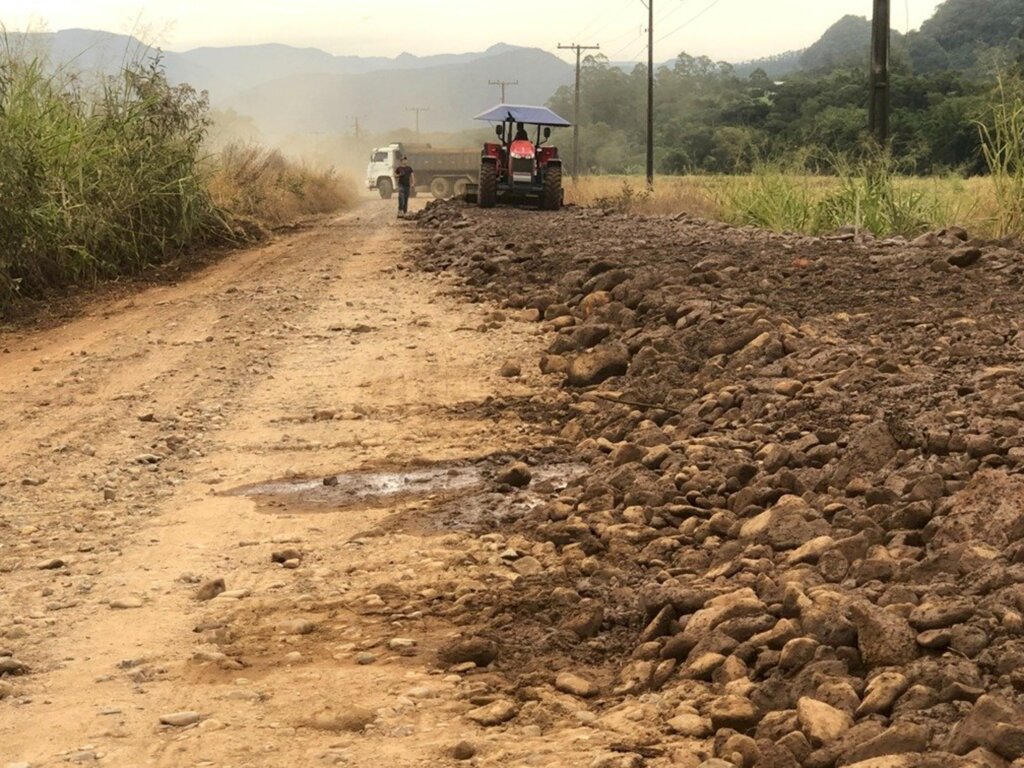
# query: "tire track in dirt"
x,y
315,354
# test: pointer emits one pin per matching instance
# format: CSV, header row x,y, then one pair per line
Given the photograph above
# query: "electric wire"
x,y
598,18
689,21
628,45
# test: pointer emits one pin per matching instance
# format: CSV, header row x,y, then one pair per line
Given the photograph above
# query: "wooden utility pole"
x,y
650,94
576,112
503,84
358,126
879,106
417,110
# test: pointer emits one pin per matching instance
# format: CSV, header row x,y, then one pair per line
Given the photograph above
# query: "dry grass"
x,y
971,203
253,181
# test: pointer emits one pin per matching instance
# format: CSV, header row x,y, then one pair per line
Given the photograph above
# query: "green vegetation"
x,y
711,119
1003,146
95,186
103,181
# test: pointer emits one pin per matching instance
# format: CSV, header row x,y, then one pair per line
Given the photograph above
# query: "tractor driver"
x,y
521,134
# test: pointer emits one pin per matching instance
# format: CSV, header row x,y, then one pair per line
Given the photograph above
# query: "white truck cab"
x,y
380,173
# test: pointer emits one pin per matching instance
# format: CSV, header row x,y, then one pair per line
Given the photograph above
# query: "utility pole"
x,y
417,110
879,105
650,94
357,126
576,116
502,84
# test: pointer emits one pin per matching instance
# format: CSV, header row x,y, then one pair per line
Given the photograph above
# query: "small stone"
x,y
964,257
348,720
495,713
510,370
822,723
285,555
296,627
567,682
51,565
401,643
365,658
882,692
463,751
527,566
181,719
690,726
210,589
126,603
517,474
788,387
11,666
884,637
478,650
736,712
598,365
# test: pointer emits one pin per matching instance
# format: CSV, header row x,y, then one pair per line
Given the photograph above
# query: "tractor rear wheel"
x,y
440,188
552,198
488,194
385,188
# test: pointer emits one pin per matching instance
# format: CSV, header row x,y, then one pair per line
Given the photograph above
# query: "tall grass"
x,y
253,181
105,180
1002,134
95,184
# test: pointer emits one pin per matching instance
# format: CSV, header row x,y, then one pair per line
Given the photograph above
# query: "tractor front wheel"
x,y
488,194
552,199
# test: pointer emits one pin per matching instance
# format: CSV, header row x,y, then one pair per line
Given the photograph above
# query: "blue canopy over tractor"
x,y
521,113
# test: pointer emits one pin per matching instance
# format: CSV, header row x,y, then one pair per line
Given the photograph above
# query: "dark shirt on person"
x,y
404,175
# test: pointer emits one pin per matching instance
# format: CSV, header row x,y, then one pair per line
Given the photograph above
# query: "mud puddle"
x,y
441,496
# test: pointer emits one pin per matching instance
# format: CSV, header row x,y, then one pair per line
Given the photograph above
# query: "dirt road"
x,y
125,433
319,505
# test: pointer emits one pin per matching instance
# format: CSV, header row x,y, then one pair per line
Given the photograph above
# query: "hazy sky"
x,y
723,29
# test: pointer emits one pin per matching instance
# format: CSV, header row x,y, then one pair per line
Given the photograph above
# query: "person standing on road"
x,y
404,175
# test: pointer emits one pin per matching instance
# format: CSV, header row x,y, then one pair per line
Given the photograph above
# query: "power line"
x,y
598,17
672,12
690,21
615,21
630,44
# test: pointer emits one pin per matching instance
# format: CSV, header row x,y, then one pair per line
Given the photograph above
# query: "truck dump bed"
x,y
443,160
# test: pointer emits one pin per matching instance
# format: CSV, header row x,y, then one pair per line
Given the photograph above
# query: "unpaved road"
x,y
124,433
776,516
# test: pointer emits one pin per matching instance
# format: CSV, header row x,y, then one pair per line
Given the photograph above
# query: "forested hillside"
x,y
714,117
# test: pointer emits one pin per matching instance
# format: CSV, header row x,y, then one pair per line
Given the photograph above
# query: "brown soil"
x,y
766,474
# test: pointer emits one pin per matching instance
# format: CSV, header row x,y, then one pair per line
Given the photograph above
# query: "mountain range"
x,y
287,90
306,90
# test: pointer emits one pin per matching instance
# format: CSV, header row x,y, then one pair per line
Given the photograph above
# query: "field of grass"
x,y
785,201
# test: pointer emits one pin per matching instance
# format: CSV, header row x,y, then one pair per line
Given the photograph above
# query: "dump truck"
x,y
445,171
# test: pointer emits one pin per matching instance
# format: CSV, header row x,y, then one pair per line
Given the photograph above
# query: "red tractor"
x,y
518,169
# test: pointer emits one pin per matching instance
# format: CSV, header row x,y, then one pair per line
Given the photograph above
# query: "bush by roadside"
x,y
97,182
